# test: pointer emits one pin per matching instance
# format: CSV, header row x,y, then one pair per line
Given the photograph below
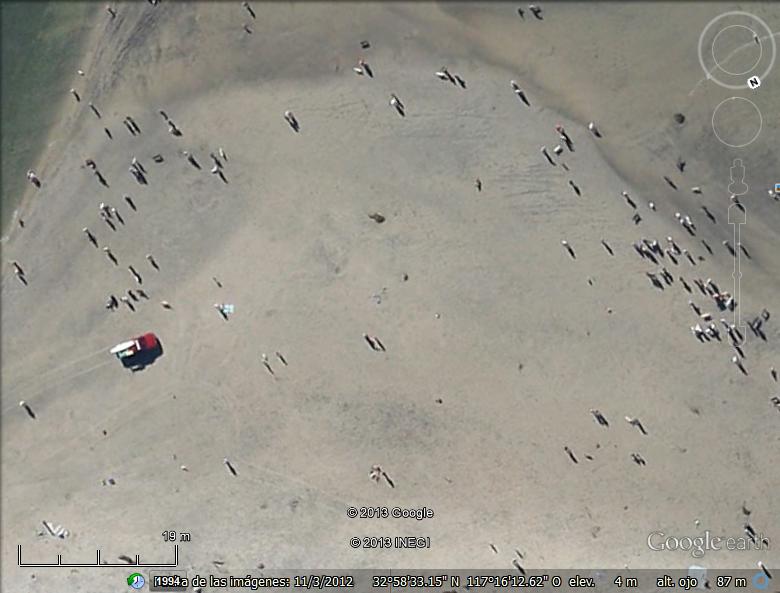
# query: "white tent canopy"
x,y
122,346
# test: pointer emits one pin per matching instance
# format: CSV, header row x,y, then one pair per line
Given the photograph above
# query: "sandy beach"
x,y
496,343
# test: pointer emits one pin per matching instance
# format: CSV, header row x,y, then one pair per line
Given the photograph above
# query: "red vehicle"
x,y
138,352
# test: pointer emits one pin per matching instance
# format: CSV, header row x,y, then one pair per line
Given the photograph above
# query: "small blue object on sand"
x,y
228,309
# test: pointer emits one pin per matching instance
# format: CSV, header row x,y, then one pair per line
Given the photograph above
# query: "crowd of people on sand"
x,y
660,255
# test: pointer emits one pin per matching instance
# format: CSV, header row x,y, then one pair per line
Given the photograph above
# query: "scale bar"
x,y
137,562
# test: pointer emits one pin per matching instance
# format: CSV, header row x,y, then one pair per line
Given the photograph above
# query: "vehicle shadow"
x,y
143,359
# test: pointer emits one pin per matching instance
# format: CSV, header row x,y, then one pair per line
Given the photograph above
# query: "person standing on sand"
x,y
33,178
399,106
267,364
288,115
135,274
191,159
519,92
375,473
217,171
249,9
110,255
115,213
599,417
127,302
138,165
107,220
637,423
90,236
134,125
19,272
569,249
152,261
444,74
25,406
229,466
366,68
564,137
139,177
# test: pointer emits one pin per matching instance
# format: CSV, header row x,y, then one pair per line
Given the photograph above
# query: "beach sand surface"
x,y
497,342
